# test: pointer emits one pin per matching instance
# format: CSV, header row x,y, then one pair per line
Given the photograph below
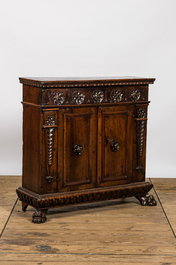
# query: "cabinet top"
x,y
84,81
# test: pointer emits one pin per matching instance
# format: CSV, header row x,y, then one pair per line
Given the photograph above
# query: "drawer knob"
x,y
115,146
77,149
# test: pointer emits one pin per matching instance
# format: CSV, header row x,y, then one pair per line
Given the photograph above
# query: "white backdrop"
x,y
90,38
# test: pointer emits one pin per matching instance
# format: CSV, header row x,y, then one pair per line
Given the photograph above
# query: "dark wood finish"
x,y
77,126
24,206
147,200
39,217
46,201
115,124
84,140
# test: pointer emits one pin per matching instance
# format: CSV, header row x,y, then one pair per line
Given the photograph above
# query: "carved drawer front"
x,y
77,148
94,95
115,135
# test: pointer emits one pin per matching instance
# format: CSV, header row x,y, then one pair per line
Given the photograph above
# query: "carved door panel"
x,y
116,132
77,148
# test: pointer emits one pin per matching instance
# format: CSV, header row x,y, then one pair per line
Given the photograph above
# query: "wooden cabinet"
x,y
84,140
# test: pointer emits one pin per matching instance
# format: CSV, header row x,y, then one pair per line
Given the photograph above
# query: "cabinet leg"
x,y
24,206
39,217
147,200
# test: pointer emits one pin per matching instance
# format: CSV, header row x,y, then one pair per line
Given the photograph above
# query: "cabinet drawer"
x,y
115,140
77,148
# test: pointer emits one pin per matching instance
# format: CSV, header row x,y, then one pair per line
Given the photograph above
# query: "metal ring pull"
x,y
77,149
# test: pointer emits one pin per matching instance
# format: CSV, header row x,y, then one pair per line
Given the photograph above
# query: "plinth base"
x,y
46,201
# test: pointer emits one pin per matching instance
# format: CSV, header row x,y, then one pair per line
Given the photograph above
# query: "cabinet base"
x,y
46,201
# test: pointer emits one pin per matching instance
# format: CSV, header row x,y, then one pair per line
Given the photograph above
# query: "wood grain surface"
x,y
115,232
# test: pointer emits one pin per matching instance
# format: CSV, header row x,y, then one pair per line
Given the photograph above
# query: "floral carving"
x,y
78,97
135,94
50,121
116,95
56,97
141,113
97,96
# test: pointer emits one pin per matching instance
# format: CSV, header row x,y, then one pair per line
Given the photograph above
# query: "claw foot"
x,y
39,217
147,200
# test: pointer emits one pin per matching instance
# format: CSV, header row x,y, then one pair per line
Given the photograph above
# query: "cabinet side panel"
x,y
32,94
31,147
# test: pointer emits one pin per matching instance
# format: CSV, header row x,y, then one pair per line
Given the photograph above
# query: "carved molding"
x,y
84,84
91,195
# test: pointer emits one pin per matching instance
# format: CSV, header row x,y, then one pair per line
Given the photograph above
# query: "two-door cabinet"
x,y
84,140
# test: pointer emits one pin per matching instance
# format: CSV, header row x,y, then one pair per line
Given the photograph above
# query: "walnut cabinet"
x,y
84,140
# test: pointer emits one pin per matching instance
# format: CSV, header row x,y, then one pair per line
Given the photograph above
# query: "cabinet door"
x,y
115,144
77,130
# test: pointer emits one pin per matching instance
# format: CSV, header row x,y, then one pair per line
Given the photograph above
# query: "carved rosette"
x,y
135,94
50,121
116,95
141,113
97,96
56,97
78,97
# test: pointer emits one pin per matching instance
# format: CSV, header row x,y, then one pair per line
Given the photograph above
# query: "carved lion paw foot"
x,y
147,200
38,217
